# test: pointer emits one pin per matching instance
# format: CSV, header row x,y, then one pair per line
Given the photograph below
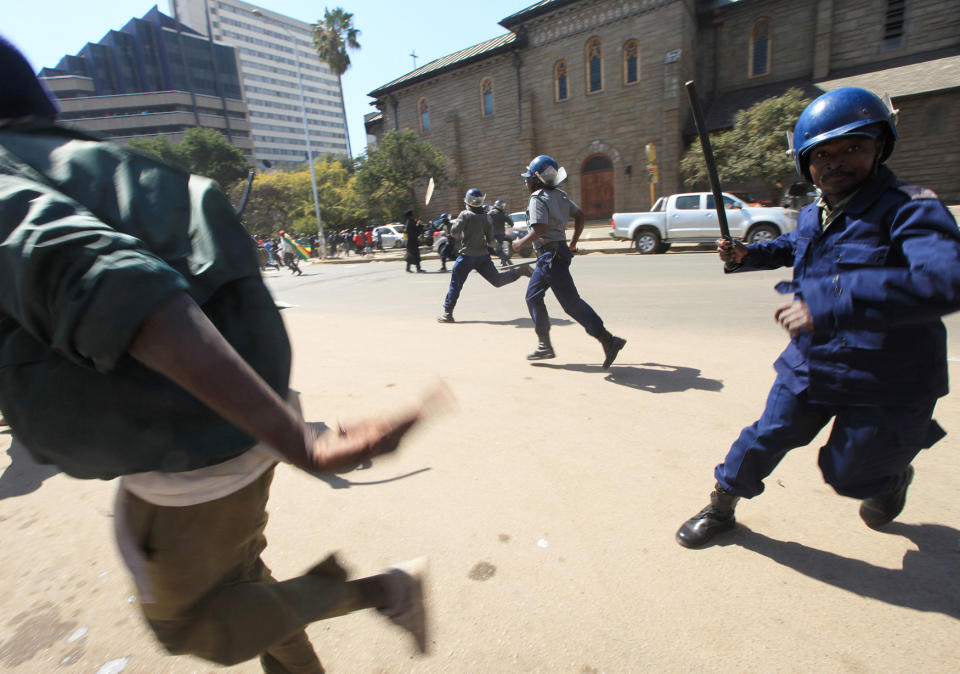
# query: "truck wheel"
x,y
647,241
762,233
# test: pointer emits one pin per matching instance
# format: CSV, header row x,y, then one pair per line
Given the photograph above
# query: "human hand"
x,y
573,247
731,251
516,246
326,452
794,317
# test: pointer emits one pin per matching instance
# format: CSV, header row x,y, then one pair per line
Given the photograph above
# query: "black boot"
x,y
611,347
445,317
543,351
884,508
712,520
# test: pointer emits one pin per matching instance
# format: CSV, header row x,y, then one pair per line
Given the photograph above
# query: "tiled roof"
x,y
536,9
462,57
906,80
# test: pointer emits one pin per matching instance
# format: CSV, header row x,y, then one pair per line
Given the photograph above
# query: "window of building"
x,y
760,43
893,22
594,65
424,111
486,96
631,62
560,80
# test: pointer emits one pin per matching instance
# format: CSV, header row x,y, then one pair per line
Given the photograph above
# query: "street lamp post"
x,y
321,240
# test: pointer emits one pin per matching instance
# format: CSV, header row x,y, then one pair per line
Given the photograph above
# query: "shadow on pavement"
x,y
927,580
24,475
337,482
650,377
525,323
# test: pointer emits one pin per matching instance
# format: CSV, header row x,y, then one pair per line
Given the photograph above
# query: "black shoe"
x,y
542,352
611,347
884,508
421,271
712,520
446,317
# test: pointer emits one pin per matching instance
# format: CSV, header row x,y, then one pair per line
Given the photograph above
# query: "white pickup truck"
x,y
691,218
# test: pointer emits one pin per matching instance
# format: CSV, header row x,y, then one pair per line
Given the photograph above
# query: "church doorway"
x,y
596,191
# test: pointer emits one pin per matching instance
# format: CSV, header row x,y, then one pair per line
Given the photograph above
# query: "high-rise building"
x,y
265,43
153,77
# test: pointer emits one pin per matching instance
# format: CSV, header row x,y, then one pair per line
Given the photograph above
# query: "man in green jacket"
x,y
137,339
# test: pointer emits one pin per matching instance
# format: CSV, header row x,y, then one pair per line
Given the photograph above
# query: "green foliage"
x,y
333,36
755,148
391,176
203,151
284,200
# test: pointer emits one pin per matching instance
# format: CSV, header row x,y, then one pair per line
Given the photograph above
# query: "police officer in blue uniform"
x,y
448,248
475,231
548,212
876,263
500,220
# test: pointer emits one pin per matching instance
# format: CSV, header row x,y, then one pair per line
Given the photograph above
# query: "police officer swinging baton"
x,y
708,160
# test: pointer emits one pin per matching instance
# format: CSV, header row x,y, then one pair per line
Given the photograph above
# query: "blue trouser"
x,y
504,257
467,263
553,271
865,455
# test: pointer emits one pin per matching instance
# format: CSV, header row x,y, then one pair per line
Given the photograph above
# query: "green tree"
x,y
392,175
284,200
332,37
158,146
756,146
207,153
202,151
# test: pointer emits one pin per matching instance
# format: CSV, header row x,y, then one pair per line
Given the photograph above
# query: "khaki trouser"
x,y
212,595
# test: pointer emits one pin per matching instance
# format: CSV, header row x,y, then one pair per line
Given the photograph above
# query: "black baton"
x,y
708,159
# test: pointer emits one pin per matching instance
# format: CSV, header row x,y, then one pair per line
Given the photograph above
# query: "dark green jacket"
x,y
93,238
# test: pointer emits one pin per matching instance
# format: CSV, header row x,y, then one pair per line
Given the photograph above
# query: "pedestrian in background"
x,y
412,232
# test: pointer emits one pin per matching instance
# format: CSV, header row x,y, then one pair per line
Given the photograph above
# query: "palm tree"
x,y
331,38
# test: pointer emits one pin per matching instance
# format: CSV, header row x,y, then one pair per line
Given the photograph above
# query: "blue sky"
x,y
389,32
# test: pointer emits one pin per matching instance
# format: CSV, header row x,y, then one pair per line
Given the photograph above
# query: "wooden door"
x,y
596,188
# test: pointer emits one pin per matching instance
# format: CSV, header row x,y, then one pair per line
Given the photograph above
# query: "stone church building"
x,y
594,83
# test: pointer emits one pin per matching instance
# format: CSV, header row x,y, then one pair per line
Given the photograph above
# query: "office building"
x,y
153,77
265,43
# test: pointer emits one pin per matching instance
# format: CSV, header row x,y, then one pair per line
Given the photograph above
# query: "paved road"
x,y
547,502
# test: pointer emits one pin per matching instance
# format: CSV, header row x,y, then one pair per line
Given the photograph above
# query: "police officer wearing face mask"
x,y
876,263
475,230
548,213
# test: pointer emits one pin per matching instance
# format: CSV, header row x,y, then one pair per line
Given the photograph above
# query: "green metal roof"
x,y
470,54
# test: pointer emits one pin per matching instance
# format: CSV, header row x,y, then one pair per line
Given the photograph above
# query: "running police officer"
x,y
876,263
500,220
448,248
548,212
476,235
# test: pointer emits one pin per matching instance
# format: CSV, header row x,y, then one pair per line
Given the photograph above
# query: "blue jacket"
x,y
877,282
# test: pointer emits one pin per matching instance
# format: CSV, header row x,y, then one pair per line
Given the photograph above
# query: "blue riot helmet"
x,y
848,111
546,170
499,205
22,94
444,216
473,197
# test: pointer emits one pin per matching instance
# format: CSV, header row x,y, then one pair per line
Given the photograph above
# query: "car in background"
x,y
392,235
518,230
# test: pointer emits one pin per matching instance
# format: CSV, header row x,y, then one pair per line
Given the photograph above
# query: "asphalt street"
x,y
547,501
